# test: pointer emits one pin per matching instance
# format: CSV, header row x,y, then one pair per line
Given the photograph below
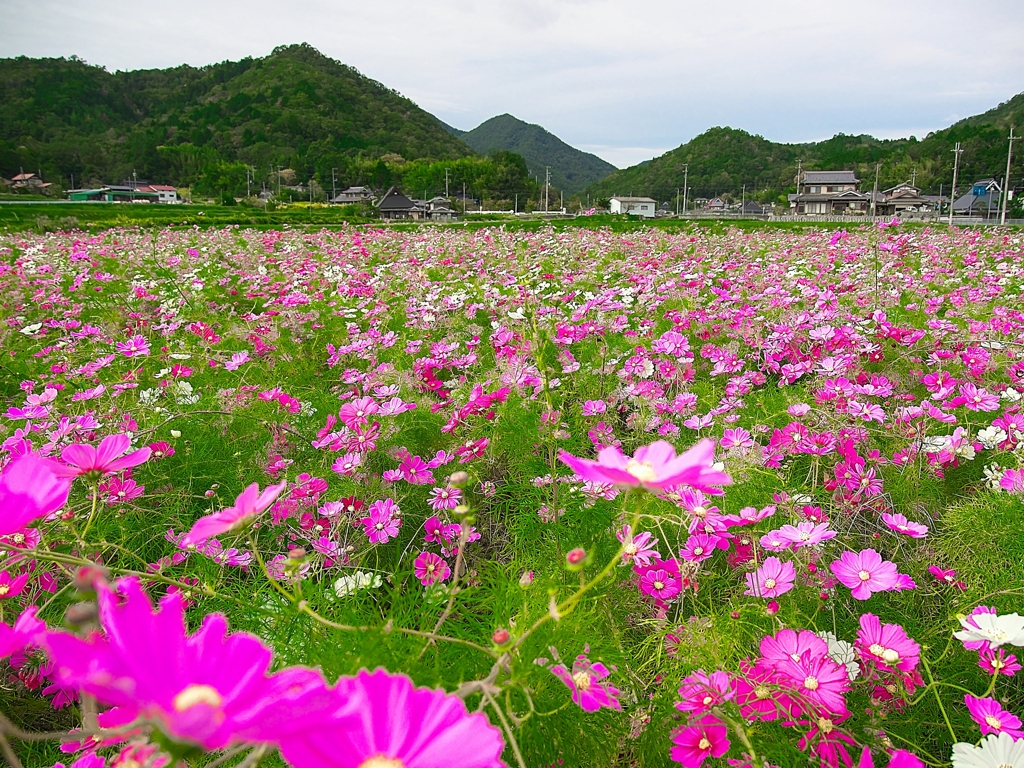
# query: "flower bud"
x,y
296,553
458,479
526,579
501,637
87,577
575,558
81,614
735,614
772,608
175,433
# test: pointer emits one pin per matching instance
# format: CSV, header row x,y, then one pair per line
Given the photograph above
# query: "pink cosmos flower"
x,y
1012,481
805,534
358,411
900,524
347,464
24,633
381,720
30,487
136,346
707,737
82,459
701,691
249,503
381,525
817,681
946,576
772,579
585,683
444,498
660,583
638,549
699,547
865,573
12,586
594,407
899,759
431,568
209,688
887,645
998,662
416,471
654,467
990,715
788,644
238,359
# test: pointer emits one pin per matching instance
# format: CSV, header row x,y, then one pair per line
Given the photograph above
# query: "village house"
x,y
30,182
903,198
637,206
983,198
829,193
354,195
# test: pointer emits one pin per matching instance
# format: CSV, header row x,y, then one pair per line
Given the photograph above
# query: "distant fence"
x,y
826,219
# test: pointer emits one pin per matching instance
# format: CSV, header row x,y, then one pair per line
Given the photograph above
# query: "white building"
x,y
638,206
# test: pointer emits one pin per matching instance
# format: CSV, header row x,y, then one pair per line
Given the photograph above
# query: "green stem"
x,y
92,512
938,699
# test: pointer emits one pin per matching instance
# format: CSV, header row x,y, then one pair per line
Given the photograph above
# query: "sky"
x,y
625,80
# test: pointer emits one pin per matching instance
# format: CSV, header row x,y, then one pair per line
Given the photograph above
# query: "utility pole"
x,y
334,184
913,178
677,201
463,198
956,167
561,200
517,203
446,182
743,203
547,184
279,181
874,192
248,182
1006,179
686,178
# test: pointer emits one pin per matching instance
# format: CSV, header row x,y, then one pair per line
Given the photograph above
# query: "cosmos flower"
x,y
900,524
31,487
585,683
249,503
638,549
898,759
109,457
805,534
990,628
24,633
772,579
707,737
12,586
209,688
865,573
431,568
992,718
654,467
381,524
887,645
659,583
701,691
995,751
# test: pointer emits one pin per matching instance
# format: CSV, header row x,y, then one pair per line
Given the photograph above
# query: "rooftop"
x,y
830,177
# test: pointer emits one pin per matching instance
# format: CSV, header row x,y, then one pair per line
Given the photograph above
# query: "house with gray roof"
x,y
982,198
829,193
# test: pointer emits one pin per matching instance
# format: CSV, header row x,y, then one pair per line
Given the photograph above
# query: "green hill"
x,y
571,168
723,160
296,109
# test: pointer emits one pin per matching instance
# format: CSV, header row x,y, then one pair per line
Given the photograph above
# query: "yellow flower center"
x,y
659,585
825,725
582,680
704,743
642,471
811,683
197,694
761,692
876,649
707,700
4,589
769,583
864,575
890,656
993,722
382,762
698,551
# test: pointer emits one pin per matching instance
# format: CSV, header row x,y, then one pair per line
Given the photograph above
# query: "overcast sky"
x,y
627,80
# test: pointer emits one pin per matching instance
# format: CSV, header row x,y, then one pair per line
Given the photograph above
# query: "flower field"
x,y
402,499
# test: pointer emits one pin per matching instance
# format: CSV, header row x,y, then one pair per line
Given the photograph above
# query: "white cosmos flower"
x,y
995,751
998,630
349,585
842,652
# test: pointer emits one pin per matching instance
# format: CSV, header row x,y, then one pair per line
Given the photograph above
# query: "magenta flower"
x,y
887,645
789,645
659,583
707,737
380,720
444,498
249,503
585,683
654,467
12,586
358,411
208,688
699,547
990,715
1012,481
772,579
381,525
946,576
899,759
701,691
431,568
416,471
30,487
82,459
998,662
23,634
900,524
638,549
865,573
136,346
818,681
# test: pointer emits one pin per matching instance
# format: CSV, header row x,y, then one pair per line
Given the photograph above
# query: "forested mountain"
x,y
723,160
295,109
571,168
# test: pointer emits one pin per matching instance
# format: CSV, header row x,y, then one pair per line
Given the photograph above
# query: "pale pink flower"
x,y
653,467
83,459
638,549
31,487
248,504
900,524
865,573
